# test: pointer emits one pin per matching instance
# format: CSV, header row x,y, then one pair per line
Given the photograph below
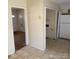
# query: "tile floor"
x,y
56,49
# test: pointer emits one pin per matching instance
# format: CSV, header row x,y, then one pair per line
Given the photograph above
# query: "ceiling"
x,y
60,1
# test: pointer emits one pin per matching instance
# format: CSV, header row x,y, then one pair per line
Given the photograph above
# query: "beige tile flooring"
x,y
56,49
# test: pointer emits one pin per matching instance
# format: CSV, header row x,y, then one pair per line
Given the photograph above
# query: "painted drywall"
x,y
50,19
51,5
36,23
64,7
16,4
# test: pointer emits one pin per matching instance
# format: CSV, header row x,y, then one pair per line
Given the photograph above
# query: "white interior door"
x,y
51,22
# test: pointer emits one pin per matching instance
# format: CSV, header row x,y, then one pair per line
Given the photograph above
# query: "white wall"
x,y
51,5
16,4
36,23
64,7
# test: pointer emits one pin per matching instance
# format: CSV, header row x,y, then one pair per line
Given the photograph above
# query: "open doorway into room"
x,y
51,23
18,28
57,47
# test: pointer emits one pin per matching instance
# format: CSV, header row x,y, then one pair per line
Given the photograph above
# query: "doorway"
x,y
18,28
55,46
51,24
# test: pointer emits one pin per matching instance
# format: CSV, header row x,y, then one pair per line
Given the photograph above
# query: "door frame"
x,y
25,26
55,20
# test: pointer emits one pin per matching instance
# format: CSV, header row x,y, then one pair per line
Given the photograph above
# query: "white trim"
x,y
56,24
44,23
51,8
26,28
12,49
58,30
